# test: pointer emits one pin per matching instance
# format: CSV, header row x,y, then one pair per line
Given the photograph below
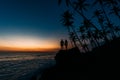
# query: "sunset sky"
x,y
30,25
35,24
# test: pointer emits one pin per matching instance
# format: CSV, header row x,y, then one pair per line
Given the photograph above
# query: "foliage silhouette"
x,y
91,33
103,38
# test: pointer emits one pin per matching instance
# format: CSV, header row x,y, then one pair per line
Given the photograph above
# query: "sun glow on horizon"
x,y
27,43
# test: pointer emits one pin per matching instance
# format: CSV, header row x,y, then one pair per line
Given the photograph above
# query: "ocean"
x,y
21,66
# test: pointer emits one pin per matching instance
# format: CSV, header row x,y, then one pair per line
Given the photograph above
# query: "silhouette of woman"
x,y
66,44
61,43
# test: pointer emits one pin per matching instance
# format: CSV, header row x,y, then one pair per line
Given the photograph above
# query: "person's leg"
x,y
62,47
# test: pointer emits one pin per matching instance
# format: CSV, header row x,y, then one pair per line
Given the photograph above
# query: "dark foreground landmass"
x,y
101,63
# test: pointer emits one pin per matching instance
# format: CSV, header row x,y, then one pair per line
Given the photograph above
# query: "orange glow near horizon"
x,y
27,44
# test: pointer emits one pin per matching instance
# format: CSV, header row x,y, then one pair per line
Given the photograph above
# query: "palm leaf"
x,y
81,5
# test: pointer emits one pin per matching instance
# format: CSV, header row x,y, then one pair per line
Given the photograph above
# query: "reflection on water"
x,y
21,66
25,56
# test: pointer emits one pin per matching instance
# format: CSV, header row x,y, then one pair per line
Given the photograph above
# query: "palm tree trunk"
x,y
76,36
116,12
87,49
85,18
111,28
68,28
92,43
103,29
98,45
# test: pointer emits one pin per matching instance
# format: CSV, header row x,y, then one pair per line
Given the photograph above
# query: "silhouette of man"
x,y
66,44
61,43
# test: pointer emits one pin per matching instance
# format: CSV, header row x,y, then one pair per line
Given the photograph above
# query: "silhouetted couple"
x,y
64,43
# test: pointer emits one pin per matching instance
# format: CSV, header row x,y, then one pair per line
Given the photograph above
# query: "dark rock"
x,y
94,65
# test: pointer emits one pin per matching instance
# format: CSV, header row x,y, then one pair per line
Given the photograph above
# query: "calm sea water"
x,y
21,66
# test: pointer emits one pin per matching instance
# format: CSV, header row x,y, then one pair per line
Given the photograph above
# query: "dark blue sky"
x,y
38,18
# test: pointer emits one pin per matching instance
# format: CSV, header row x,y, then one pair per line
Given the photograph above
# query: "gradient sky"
x,y
33,23
30,23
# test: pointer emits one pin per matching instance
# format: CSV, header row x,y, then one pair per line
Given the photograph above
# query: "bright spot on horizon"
x,y
27,43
